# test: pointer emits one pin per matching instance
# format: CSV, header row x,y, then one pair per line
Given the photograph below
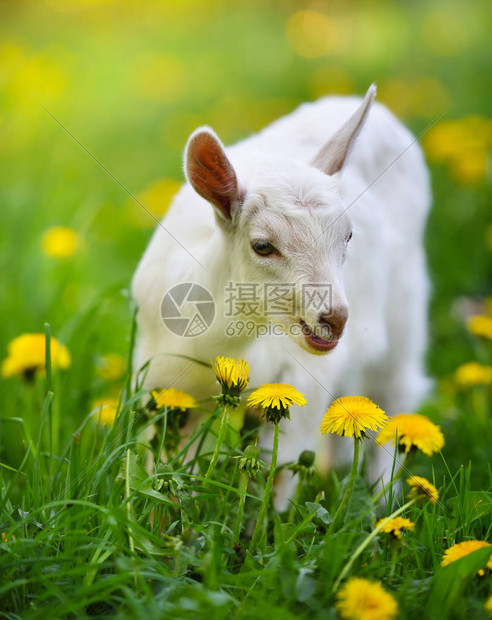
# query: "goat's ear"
x,y
210,172
332,156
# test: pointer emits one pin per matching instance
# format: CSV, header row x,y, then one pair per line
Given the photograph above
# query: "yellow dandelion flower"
x,y
231,373
444,140
480,325
156,198
60,242
330,79
414,431
473,374
6,538
275,399
407,97
233,376
312,34
470,169
38,78
173,399
361,599
105,411
488,606
351,416
26,355
276,395
111,367
462,144
396,526
421,488
460,550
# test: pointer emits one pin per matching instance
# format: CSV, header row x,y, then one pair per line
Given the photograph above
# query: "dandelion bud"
x,y
250,461
233,376
305,465
167,484
306,458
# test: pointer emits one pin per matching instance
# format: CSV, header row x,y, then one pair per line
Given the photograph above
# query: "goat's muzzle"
x,y
334,323
325,335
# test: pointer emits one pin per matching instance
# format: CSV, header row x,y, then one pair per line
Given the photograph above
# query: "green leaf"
x,y
189,506
137,474
147,490
305,585
139,480
287,530
320,512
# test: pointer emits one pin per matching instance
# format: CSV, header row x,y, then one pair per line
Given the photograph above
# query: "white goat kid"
x,y
280,207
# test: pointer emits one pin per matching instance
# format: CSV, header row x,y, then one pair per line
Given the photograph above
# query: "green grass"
x,y
88,532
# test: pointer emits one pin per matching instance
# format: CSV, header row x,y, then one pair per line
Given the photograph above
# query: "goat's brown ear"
x,y
332,156
210,172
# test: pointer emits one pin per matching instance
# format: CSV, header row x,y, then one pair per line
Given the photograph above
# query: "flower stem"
x,y
394,553
350,487
268,490
243,485
220,440
366,542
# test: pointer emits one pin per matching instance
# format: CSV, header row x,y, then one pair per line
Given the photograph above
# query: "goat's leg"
x,y
399,383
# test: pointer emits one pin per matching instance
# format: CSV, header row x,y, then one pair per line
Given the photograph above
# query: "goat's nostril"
x,y
335,322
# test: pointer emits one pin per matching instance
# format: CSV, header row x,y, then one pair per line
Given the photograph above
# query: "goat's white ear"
x,y
210,172
332,156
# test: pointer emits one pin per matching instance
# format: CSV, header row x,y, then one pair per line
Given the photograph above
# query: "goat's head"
x,y
285,224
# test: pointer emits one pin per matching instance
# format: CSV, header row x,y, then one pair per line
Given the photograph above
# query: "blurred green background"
x,y
131,80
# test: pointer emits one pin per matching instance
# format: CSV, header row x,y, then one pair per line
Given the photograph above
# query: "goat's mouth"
x,y
316,341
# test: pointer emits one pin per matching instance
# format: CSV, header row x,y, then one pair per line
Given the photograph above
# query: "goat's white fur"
x,y
282,194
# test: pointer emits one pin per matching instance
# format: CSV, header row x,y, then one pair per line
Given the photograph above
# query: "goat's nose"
x,y
335,322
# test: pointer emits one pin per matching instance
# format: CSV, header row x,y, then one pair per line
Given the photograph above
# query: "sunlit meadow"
x,y
111,503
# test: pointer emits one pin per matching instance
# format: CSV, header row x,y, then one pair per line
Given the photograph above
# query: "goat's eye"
x,y
263,248
349,236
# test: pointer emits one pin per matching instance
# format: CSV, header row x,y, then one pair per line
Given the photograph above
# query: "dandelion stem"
x,y
350,487
243,485
268,491
394,553
367,541
220,440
